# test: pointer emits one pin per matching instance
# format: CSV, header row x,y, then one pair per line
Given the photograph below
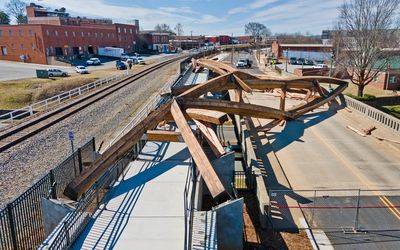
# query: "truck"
x,y
111,52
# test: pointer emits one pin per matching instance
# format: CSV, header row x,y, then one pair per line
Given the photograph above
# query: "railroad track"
x,y
16,134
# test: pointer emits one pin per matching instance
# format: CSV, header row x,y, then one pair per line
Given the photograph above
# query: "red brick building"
x,y
154,41
278,49
52,34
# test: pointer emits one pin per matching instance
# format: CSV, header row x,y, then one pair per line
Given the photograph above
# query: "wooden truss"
x,y
190,103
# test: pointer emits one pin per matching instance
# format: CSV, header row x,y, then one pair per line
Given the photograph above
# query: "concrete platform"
x,y
145,209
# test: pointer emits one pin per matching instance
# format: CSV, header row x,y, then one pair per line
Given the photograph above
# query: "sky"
x,y
210,17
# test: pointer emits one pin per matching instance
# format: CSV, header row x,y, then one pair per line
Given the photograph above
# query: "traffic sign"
x,y
71,135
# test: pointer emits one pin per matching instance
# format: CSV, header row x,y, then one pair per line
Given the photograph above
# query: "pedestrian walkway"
x,y
144,210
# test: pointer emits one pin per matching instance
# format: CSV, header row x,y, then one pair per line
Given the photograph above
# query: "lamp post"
x,y
287,58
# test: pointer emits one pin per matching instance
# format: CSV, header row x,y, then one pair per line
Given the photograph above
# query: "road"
x,y
318,152
244,55
17,70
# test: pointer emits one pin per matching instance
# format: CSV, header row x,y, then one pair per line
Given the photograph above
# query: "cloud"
x,y
209,19
180,10
252,6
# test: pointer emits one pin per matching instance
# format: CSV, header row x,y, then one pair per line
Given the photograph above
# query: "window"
x,y
83,34
66,33
73,33
10,32
88,34
101,35
119,30
47,33
108,35
95,34
3,51
13,46
56,33
393,79
21,33
30,33
125,30
131,31
33,46
1,32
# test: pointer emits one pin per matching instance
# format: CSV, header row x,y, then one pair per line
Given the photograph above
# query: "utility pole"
x,y
287,58
191,39
232,49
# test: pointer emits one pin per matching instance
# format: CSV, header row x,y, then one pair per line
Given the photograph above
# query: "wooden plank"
x,y
204,115
163,136
211,138
206,170
82,183
237,108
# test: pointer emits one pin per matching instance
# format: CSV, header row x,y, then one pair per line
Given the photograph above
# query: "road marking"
x,y
390,205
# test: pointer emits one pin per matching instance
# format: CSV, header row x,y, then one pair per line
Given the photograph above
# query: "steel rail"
x,y
27,129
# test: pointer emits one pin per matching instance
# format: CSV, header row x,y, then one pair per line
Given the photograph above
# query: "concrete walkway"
x,y
144,210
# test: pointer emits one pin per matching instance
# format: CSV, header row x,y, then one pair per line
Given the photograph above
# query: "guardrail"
x,y
55,100
21,221
188,196
373,113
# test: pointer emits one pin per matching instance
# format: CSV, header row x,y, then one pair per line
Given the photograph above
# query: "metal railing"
x,y
188,204
74,223
345,209
373,113
21,221
244,180
55,100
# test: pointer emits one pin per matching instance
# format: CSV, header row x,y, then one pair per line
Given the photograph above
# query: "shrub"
x,y
365,97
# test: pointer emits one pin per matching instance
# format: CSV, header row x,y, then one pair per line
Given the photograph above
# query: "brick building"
x,y
187,42
53,34
218,40
154,41
308,51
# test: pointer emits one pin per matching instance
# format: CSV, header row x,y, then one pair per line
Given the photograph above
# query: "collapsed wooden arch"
x,y
189,103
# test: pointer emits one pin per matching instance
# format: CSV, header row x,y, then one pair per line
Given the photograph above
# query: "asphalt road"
x,y
244,55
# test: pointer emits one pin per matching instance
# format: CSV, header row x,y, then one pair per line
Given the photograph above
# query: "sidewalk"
x,y
144,210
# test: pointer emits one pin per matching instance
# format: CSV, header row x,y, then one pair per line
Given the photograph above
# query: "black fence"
x,y
244,181
21,221
70,228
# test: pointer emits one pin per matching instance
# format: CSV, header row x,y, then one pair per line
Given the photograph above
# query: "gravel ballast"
x,y
25,163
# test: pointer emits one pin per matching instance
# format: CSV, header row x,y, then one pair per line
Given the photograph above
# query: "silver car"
x,y
56,72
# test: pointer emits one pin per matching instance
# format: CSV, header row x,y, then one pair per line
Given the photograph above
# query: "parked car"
x,y
81,70
120,65
243,63
293,60
140,60
132,60
320,66
319,62
309,62
56,72
301,61
93,61
124,57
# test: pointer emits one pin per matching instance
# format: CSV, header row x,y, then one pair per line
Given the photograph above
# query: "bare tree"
x,y
163,27
366,30
17,9
179,31
256,30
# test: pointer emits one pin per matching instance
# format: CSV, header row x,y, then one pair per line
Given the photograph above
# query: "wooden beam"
x,y
82,183
242,84
211,138
237,108
208,86
204,115
163,136
283,99
207,171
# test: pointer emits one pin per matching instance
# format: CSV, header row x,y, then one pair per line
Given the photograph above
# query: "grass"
x,y
393,110
369,89
20,93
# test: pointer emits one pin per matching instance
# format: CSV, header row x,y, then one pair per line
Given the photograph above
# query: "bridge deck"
x,y
145,209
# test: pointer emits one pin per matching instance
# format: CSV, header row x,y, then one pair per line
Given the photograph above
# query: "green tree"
x,y
4,18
